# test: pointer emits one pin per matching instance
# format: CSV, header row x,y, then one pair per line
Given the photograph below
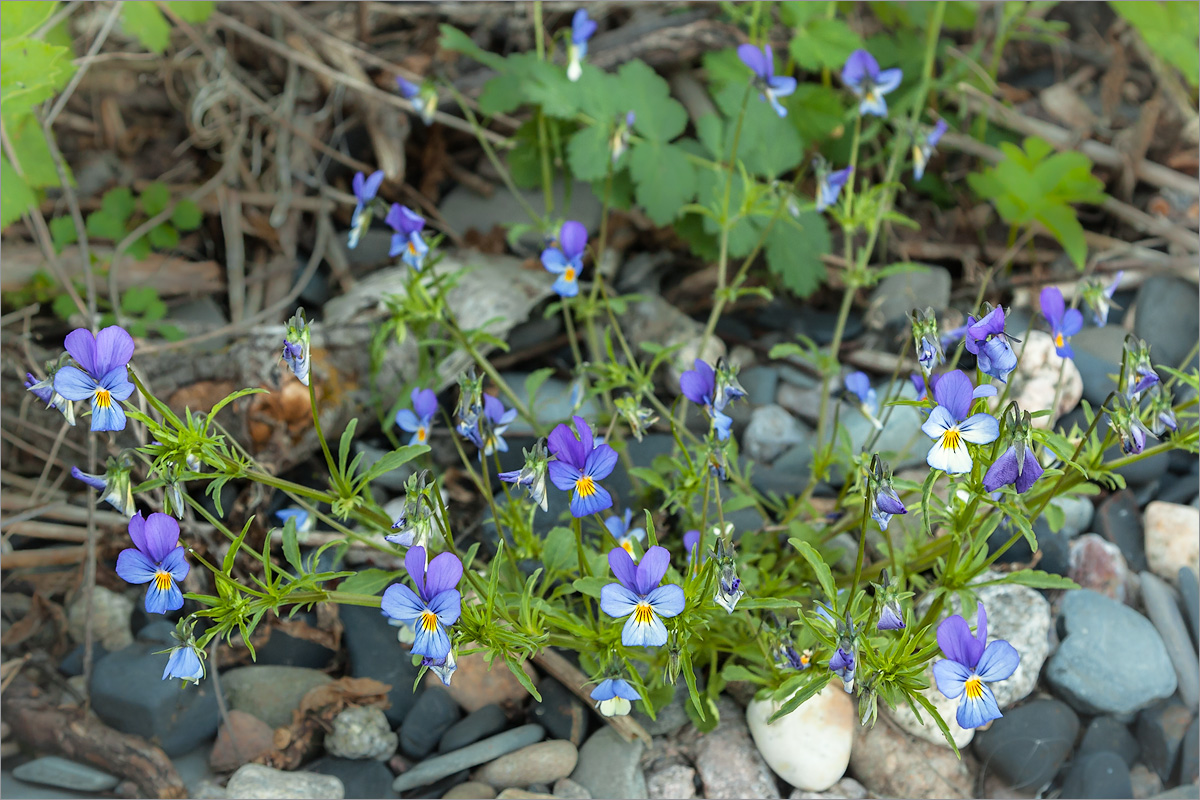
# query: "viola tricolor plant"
x,y
157,559
566,260
407,241
433,607
862,75
771,87
638,596
970,664
102,377
419,419
579,466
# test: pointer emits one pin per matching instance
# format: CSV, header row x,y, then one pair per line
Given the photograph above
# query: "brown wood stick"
x,y
47,557
36,529
569,676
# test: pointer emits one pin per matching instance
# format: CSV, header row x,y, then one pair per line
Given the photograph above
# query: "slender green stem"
x,y
491,372
334,473
862,547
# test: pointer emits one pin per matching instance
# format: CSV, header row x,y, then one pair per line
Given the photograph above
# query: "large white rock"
x,y
1172,539
810,747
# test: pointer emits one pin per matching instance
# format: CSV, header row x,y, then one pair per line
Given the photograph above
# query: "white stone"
x,y
253,781
772,430
1172,539
810,747
1035,381
110,618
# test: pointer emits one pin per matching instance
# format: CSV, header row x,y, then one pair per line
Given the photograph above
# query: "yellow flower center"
x,y
1058,340
103,398
412,248
627,546
569,274
429,621
642,614
806,657
421,433
973,687
952,439
162,579
585,486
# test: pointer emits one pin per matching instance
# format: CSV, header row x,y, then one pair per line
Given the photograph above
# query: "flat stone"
x,y
1160,732
438,767
429,719
1029,743
361,732
1119,521
760,384
845,789
1144,781
374,651
476,685
1108,733
560,712
471,790
1163,610
810,747
254,781
672,782
361,780
465,210
772,431
544,762
522,794
1188,791
653,319
608,766
1097,564
1111,659
1100,775
270,693
567,789
552,404
1078,512
896,295
241,739
668,719
1172,539
111,612
883,759
729,764
477,725
64,774
1189,753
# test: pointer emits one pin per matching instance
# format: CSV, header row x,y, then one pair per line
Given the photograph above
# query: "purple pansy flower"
x,y
842,664
614,697
918,382
582,29
1064,322
156,558
579,467
829,186
990,345
771,87
858,386
639,597
970,665
102,375
297,348
433,607
862,75
700,386
407,239
951,428
923,151
44,390
303,520
566,261
624,535
114,485
496,419
533,474
1008,468
365,189
419,420
885,503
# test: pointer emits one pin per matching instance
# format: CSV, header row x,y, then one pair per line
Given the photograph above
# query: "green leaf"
x,y
819,112
819,568
142,20
558,551
63,233
723,67
33,154
1170,30
549,87
1061,221
664,177
591,585
291,546
15,195
31,71
659,116
794,249
1037,579
194,11
118,203
390,461
102,225
534,382
164,236
187,215
821,42
459,42
137,299
515,667
736,672
769,145
231,554
369,581
766,602
63,306
155,198
22,19
815,685
588,152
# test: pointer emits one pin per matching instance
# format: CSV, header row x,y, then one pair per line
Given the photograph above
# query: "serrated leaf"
x,y
794,249
659,116
15,195
549,87
23,19
118,203
769,145
588,153
818,112
33,154
187,215
138,298
31,71
102,225
62,232
155,198
823,43
664,178
142,20
369,581
164,236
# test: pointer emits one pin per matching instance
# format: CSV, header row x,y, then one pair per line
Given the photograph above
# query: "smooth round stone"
x,y
1041,377
925,728
64,774
810,747
1027,745
253,781
544,762
772,430
362,732
471,790
1172,539
1100,775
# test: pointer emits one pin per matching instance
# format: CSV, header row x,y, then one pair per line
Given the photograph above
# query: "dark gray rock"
x,y
760,384
477,725
1160,731
771,432
72,663
1167,305
560,712
609,766
1189,754
464,210
897,295
1108,733
283,649
129,694
1180,490
1078,513
1189,598
431,716
1111,659
1119,520
1188,791
1163,610
1056,553
1029,744
270,693
668,719
374,652
64,774
1098,355
551,405
1099,775
438,767
362,779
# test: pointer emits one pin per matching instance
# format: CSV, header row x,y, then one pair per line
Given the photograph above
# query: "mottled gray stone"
x,y
1163,611
438,767
254,781
608,766
55,771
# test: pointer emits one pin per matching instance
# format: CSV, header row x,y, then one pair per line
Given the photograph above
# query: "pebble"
x,y
471,790
1078,512
284,649
1189,753
1119,521
727,761
772,431
901,441
1166,305
373,651
128,693
1040,377
64,774
551,405
438,767
361,732
1189,598
544,762
892,763
110,618
1145,782
1108,733
897,295
653,319
810,747
428,720
270,693
522,794
476,684
254,781
1097,564
1160,731
925,728
1100,775
477,725
760,384
567,789
1172,539
1180,490
560,712
1027,746
845,789
1163,610
1111,661
668,719
360,779
672,782
242,738
608,766
1097,356
1188,791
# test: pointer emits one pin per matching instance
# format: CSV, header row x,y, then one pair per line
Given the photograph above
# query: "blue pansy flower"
x,y
700,386
566,260
156,558
638,596
885,503
842,664
304,521
969,666
1064,322
407,241
444,667
923,151
863,396
433,607
951,428
495,421
624,535
423,98
44,390
990,345
533,474
829,186
582,29
579,467
102,375
184,663
419,420
115,486
771,87
862,75
297,348
614,697
365,189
